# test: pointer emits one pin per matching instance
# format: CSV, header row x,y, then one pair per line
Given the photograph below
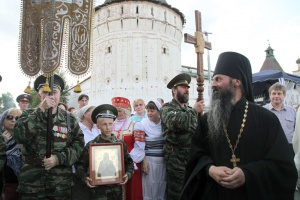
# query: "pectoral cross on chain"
x,y
234,160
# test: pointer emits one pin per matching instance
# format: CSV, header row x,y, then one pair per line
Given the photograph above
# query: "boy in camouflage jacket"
x,y
104,116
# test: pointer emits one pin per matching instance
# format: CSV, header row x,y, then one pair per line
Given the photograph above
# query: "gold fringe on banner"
x,y
28,89
77,88
46,88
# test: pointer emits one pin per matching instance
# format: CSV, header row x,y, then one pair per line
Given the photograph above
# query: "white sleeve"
x,y
138,152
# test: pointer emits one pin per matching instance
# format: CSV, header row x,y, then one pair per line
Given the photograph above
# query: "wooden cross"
x,y
234,160
199,44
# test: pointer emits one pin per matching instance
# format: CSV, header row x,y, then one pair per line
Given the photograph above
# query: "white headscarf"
x,y
158,105
82,111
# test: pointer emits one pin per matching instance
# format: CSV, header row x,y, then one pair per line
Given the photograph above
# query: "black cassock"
x,y
265,158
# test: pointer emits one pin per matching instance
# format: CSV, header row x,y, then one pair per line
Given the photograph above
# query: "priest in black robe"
x,y
239,150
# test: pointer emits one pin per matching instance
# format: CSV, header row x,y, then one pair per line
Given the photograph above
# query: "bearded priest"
x,y
239,150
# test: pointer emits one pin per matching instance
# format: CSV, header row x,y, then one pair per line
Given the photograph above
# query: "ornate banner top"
x,y
55,33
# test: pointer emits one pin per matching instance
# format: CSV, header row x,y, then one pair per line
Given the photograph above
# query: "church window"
x,y
108,13
137,78
108,81
122,10
165,14
121,23
108,49
152,12
164,49
137,10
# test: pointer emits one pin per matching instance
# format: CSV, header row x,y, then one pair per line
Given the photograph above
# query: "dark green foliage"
x,y
6,102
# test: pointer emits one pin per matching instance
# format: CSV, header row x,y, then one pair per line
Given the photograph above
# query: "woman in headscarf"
x,y
123,129
154,166
11,160
86,124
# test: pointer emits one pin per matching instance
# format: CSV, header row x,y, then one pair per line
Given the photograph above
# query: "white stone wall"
x,y
136,53
193,90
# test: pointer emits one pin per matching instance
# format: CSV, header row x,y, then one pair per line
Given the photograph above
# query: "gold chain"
x,y
233,159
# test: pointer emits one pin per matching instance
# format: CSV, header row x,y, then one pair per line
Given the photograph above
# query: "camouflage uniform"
x,y
178,126
105,192
30,131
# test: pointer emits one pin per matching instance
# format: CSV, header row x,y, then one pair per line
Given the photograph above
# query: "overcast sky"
x,y
236,25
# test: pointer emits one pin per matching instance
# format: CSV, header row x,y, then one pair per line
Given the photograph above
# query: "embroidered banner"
x,y
55,33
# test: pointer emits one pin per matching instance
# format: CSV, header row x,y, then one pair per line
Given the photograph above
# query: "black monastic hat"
x,y
24,97
180,79
104,111
236,66
41,80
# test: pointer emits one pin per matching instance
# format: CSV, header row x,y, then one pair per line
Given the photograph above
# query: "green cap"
x,y
104,111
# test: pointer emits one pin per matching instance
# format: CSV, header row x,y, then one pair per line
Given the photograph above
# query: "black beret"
x,y
41,80
24,97
104,111
180,79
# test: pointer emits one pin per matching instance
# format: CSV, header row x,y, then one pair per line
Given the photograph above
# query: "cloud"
x,y
236,25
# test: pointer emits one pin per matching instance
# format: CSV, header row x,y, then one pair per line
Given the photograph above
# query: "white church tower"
x,y
137,50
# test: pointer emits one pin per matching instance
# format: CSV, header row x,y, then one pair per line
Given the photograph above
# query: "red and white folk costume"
x,y
124,129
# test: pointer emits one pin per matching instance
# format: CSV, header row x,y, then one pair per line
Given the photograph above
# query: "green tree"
x,y
35,99
6,102
64,96
65,93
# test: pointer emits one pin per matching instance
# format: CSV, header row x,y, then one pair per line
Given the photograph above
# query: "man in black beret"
x,y
24,100
53,175
104,116
179,123
239,150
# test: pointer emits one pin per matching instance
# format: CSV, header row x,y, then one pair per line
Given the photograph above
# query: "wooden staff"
x,y
199,44
49,121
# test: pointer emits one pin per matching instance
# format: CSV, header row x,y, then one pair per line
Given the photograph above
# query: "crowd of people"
x,y
170,150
